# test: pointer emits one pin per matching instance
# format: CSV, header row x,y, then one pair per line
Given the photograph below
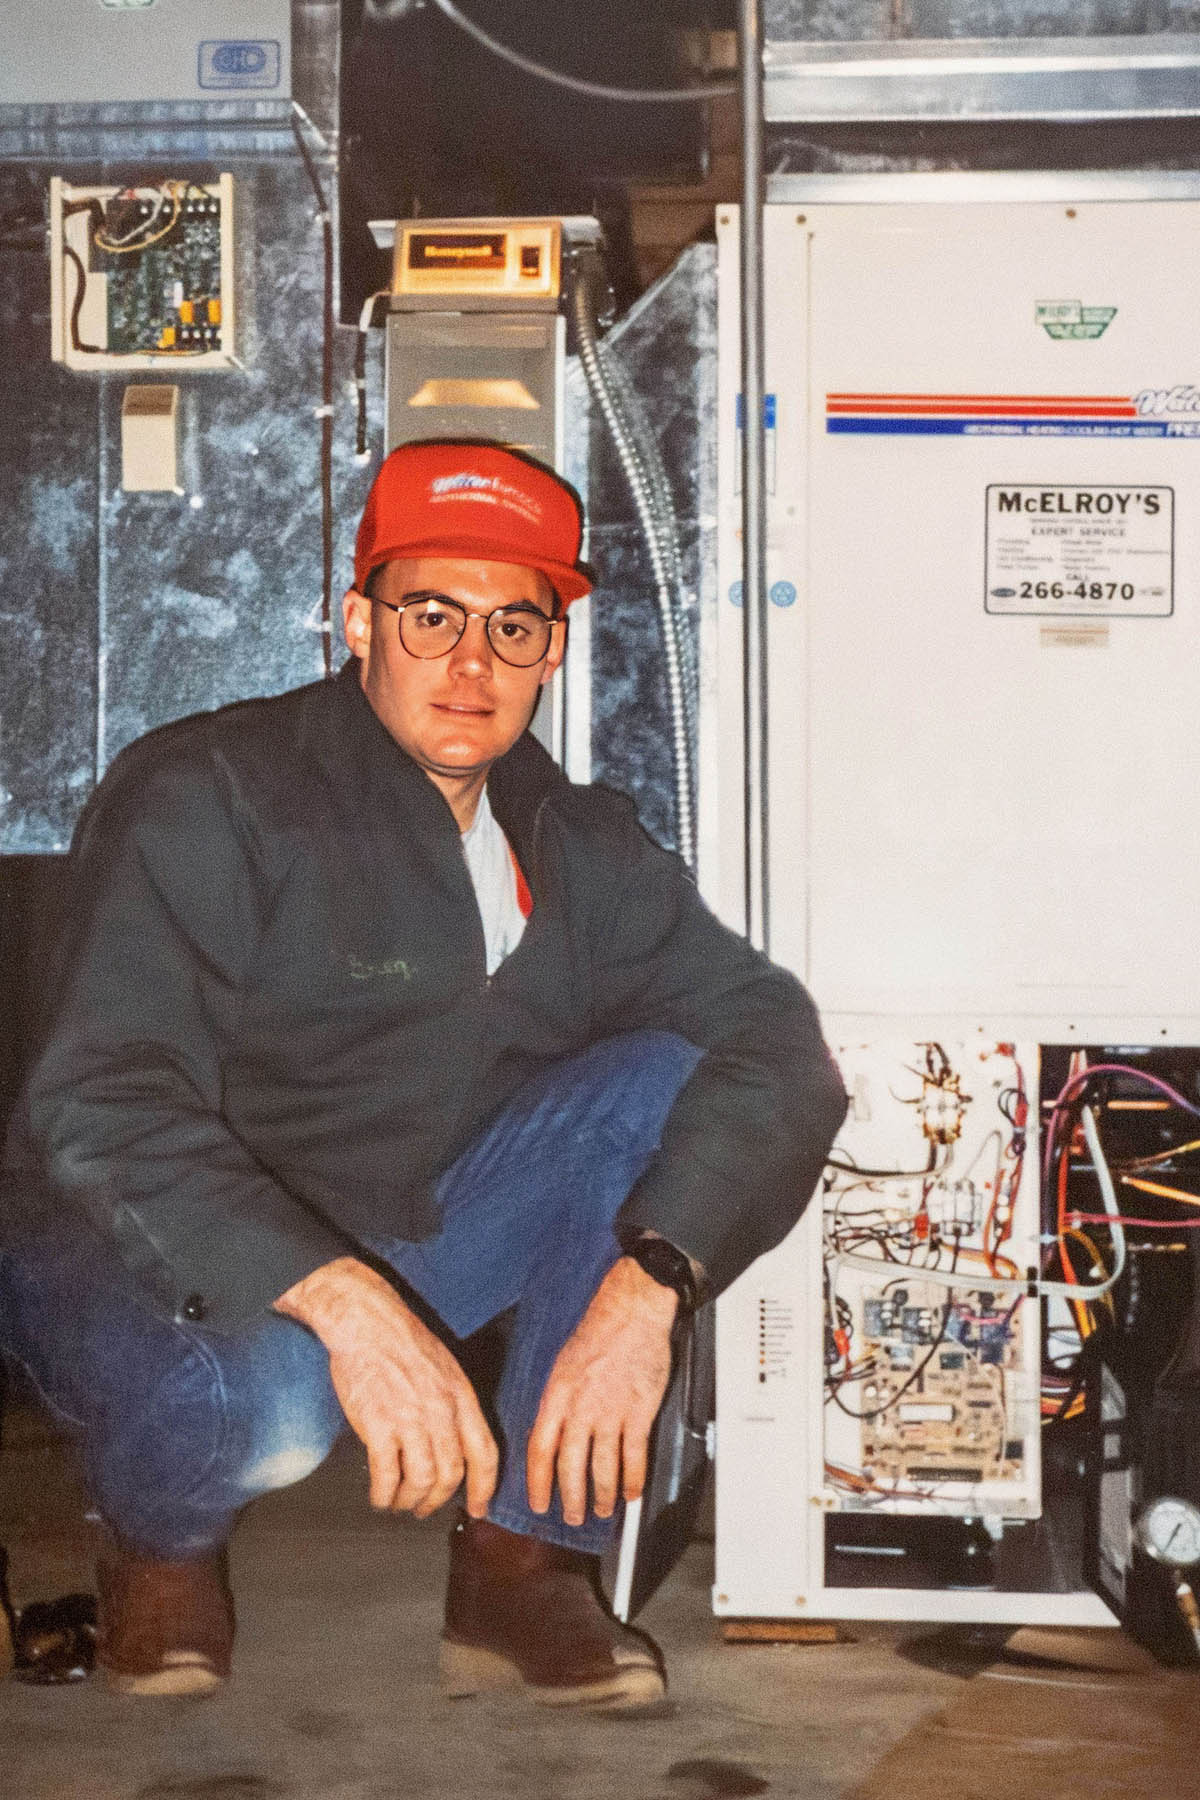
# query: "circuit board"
x,y
935,1410
167,296
143,276
932,1342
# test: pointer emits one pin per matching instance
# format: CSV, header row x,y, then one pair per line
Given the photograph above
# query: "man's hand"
x,y
602,1397
400,1388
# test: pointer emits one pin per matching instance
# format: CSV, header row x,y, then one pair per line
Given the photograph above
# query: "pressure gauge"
x,y
1169,1531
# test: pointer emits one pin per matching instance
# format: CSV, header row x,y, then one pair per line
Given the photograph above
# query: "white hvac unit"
x,y
983,421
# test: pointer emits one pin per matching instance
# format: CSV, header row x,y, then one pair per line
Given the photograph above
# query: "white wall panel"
x,y
1001,813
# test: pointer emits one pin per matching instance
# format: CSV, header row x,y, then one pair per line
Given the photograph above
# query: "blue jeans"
x,y
181,1427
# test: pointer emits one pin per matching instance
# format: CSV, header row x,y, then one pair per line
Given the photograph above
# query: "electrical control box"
x,y
142,277
87,52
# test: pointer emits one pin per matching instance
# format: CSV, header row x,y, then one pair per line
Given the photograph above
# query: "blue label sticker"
x,y
239,63
768,411
769,419
898,427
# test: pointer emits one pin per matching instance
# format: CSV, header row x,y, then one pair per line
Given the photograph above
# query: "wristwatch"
x,y
669,1266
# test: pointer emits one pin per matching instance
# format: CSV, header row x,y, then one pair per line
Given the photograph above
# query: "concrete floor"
x,y
334,1693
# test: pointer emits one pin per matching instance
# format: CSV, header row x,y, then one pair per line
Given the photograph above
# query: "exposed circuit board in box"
x,y
166,296
936,1406
932,1341
143,275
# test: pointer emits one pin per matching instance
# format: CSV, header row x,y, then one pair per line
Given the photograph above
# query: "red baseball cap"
x,y
477,501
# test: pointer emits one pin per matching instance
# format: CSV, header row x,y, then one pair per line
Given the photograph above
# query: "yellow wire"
x,y
1073,1411
1003,1266
1088,1243
1083,1311
172,187
1166,1193
1146,1162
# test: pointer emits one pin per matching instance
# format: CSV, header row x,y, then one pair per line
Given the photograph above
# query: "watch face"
x,y
667,1265
1169,1531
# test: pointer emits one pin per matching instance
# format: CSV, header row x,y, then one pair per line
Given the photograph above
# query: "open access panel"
x,y
142,277
983,460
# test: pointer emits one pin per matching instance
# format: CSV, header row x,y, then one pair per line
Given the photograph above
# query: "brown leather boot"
x,y
522,1611
165,1628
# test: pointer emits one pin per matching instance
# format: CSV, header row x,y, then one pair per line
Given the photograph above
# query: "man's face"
x,y
453,714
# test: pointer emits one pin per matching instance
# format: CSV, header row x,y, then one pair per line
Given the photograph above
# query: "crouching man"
x,y
368,1021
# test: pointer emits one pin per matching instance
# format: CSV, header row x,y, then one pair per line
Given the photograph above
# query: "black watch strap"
x,y
665,1263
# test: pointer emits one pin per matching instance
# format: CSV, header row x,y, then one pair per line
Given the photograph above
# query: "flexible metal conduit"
x,y
754,503
666,525
651,497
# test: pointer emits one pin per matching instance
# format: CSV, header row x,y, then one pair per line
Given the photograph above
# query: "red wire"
x,y
1082,1218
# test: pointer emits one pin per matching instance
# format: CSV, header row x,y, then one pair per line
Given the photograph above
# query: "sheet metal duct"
x,y
976,60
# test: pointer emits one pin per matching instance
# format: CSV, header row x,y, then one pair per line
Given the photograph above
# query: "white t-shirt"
x,y
494,875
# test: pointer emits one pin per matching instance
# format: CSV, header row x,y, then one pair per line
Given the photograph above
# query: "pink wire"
x,y
1071,1087
1080,1218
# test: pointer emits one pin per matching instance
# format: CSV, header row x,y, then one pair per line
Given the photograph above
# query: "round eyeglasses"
x,y
431,625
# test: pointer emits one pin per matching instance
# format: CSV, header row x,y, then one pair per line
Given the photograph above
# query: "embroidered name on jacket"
x,y
392,967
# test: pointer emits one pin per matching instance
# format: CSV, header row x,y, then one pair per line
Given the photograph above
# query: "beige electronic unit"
x,y
150,439
475,335
493,262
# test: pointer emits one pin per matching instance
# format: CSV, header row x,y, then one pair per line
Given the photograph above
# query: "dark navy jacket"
x,y
272,1026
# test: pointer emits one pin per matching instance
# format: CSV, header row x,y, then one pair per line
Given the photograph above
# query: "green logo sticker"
x,y
1071,319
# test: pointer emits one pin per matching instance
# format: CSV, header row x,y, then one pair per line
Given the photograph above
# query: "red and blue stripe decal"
x,y
989,415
